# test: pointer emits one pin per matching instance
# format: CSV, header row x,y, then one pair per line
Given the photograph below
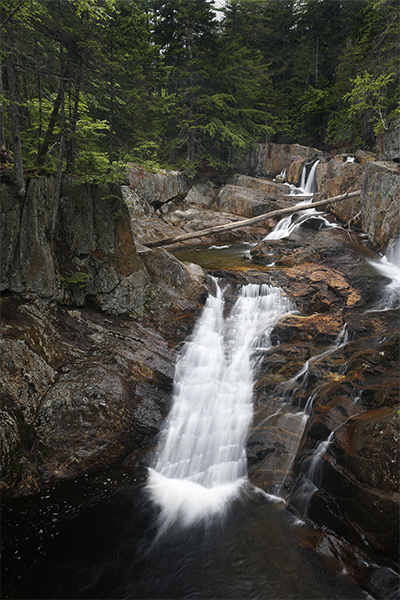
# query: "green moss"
x,y
75,281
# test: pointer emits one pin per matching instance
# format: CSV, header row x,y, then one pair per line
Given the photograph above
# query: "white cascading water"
x,y
389,266
309,188
307,184
288,224
202,462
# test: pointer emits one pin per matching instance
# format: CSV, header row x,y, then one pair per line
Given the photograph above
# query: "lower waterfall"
x,y
202,461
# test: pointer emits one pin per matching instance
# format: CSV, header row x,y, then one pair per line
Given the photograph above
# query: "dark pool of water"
x,y
88,539
218,256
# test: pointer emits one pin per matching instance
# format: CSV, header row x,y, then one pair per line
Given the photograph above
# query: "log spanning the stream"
x,y
245,223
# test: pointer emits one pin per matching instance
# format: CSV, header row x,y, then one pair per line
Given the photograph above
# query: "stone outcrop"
x,y
380,202
337,177
244,201
91,255
79,389
388,143
272,159
155,189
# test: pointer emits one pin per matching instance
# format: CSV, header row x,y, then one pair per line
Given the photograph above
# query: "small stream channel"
x,y
118,534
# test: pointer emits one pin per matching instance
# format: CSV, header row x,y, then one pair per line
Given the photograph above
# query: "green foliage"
x,y
162,83
369,93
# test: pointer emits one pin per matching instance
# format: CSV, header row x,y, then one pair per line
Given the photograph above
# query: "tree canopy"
x,y
87,85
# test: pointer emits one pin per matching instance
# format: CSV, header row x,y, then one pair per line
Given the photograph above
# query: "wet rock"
x,y
322,271
295,170
81,389
358,486
319,328
359,496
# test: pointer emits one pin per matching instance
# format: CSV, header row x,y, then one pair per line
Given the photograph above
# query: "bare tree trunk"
x,y
74,120
15,127
62,143
49,133
2,130
238,224
111,136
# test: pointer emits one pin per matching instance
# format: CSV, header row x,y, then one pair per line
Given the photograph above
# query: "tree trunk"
x,y
49,133
238,224
2,130
111,137
62,143
74,120
15,126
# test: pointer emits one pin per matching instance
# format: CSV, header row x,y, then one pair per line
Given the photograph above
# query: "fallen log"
x,y
245,223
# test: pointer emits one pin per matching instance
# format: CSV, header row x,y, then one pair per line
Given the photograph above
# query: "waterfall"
x,y
307,184
389,266
202,462
311,478
309,188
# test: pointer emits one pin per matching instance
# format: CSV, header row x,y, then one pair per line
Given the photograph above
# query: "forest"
x,y
88,85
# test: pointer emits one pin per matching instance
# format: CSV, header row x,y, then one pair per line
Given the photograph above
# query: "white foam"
x,y
187,502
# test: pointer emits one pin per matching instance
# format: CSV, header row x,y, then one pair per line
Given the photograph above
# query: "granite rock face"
x,y
91,255
380,202
80,389
154,189
272,159
388,143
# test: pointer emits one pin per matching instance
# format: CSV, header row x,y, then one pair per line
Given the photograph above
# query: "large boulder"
x,y
156,188
380,206
388,143
202,194
246,201
337,177
260,184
